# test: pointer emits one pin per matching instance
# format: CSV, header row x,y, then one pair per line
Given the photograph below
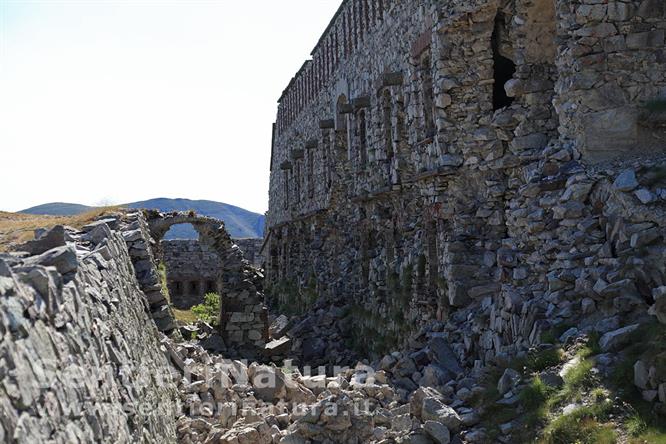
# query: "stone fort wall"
x,y
458,161
193,269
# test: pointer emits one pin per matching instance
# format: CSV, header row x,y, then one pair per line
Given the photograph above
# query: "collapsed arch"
x,y
243,315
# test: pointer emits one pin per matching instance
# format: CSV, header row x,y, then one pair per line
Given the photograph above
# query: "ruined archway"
x,y
243,315
190,267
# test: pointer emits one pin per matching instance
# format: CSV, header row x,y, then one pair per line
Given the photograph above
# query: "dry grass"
x,y
16,228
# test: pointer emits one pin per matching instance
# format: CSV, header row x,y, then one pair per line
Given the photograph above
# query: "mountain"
x,y
240,223
57,209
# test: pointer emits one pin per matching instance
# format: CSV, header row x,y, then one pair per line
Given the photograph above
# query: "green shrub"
x,y
161,268
579,375
535,394
209,311
635,425
543,359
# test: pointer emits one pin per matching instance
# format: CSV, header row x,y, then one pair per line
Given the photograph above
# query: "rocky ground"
x,y
595,381
580,387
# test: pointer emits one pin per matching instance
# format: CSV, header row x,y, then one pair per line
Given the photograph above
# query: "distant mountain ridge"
x,y
240,223
57,209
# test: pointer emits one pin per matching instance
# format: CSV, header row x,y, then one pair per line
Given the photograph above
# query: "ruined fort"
x,y
489,163
465,243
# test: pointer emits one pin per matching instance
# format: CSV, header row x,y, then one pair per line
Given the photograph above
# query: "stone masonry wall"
x,y
243,316
80,357
251,248
464,162
193,269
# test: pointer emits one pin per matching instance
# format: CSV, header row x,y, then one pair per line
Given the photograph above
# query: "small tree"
x,y
209,311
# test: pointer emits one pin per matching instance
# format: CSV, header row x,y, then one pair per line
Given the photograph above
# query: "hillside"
x,y
57,209
239,222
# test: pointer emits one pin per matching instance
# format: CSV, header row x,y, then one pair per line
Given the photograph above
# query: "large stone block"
x,y
610,132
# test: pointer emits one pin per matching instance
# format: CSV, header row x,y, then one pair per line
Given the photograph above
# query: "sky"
x,y
115,101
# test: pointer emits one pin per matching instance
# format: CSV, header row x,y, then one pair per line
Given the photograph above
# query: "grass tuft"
x,y
543,359
584,425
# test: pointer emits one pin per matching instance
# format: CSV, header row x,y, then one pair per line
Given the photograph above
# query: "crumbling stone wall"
x,y
80,357
243,317
251,248
436,161
192,270
612,62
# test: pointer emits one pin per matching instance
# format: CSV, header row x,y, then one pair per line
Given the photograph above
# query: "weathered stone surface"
x,y
616,339
626,181
98,316
53,238
438,432
510,378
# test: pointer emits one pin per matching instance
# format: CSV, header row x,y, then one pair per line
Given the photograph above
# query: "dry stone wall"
x,y
493,165
80,357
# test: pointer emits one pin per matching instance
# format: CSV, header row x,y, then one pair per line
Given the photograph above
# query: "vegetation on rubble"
x,y
17,228
209,311
182,316
539,416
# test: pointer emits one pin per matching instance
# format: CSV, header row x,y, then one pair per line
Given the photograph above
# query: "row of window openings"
x,y
193,287
504,70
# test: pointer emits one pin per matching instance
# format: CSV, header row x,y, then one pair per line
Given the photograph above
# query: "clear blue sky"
x,y
118,101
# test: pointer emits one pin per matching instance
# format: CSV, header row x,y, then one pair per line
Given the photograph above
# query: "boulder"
x,y
62,258
427,404
268,382
278,346
442,354
55,237
641,375
626,181
313,348
508,381
279,327
438,432
616,339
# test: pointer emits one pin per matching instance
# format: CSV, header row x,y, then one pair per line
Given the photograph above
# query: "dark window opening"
x,y
297,182
194,287
503,69
325,159
286,189
387,124
178,288
363,138
311,183
427,94
210,287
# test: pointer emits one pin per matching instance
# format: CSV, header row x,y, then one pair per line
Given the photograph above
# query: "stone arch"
x,y
243,315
